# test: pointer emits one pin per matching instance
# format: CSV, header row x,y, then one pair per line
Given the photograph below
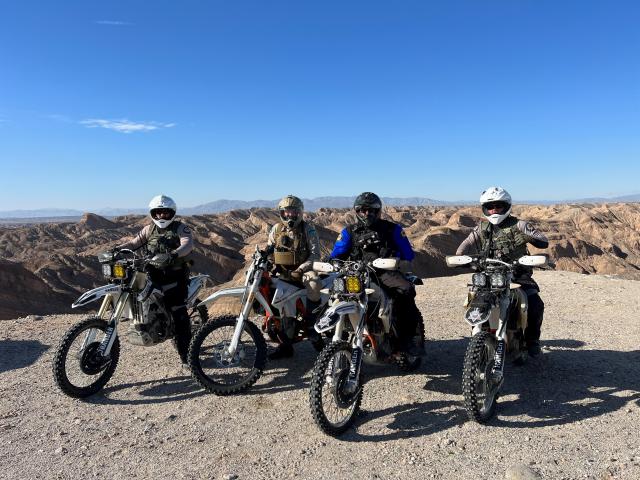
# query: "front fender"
x,y
95,294
333,315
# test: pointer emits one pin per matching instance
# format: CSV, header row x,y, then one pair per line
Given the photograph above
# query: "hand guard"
x,y
161,260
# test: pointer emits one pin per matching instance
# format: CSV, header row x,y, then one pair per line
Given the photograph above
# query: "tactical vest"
x,y
165,240
373,242
507,241
291,246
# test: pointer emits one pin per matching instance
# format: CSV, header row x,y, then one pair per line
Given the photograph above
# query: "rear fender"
x,y
95,294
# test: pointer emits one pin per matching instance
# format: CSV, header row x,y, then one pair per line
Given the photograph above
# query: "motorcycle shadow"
x,y
287,374
410,420
567,385
20,353
171,389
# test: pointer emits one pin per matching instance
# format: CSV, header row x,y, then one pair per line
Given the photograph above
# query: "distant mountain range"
x,y
311,204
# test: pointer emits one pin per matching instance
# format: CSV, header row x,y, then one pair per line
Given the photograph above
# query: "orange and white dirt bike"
x,y
228,353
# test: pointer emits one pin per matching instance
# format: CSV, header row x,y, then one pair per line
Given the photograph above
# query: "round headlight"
x,y
479,280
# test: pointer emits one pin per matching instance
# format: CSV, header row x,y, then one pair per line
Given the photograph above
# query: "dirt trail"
x,y
573,414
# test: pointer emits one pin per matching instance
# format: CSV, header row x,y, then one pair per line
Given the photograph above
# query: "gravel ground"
x,y
574,413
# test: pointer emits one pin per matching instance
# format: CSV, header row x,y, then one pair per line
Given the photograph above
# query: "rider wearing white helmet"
x,y
169,242
505,237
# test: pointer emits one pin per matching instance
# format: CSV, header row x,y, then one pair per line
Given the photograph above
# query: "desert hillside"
x,y
44,267
573,414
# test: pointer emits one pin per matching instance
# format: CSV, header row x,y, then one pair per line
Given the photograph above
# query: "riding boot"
x,y
309,320
284,349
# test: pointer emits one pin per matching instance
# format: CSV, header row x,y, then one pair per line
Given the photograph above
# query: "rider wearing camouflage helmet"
x,y
372,237
169,242
294,245
504,237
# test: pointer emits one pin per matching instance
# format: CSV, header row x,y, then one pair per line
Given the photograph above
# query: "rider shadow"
x,y
20,353
172,389
568,386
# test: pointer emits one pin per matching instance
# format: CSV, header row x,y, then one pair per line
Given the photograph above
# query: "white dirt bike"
x,y
89,351
496,309
228,354
362,320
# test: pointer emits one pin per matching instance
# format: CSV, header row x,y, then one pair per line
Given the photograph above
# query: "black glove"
x,y
161,260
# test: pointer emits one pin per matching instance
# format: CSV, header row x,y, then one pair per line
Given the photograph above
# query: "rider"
x,y
295,246
504,237
370,238
169,242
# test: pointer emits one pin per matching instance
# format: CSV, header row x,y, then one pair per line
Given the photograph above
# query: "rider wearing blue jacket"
x,y
372,237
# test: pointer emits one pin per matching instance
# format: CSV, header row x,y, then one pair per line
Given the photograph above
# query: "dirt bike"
x,y
362,320
89,351
228,354
496,309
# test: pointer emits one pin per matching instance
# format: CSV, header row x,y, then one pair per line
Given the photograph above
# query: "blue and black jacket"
x,y
382,239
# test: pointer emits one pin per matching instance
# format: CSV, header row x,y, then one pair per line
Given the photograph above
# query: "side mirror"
x,y
322,267
533,260
458,260
386,263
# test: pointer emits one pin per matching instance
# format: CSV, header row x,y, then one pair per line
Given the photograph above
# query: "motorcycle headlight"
x,y
479,280
106,270
498,280
119,270
354,285
338,285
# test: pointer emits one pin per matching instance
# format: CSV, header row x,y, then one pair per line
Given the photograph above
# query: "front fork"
x,y
356,354
497,371
112,329
247,302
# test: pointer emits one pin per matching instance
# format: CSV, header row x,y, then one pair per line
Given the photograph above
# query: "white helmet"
x,y
162,202
495,195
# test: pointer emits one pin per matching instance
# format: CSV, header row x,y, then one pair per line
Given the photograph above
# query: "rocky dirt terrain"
x,y
44,267
572,414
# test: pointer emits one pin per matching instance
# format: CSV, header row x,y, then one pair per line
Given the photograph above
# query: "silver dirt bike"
x,y
89,351
362,320
496,309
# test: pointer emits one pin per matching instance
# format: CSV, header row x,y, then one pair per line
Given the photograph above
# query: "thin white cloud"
x,y
116,23
124,125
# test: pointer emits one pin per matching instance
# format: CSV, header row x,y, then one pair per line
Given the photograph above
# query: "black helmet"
x,y
367,206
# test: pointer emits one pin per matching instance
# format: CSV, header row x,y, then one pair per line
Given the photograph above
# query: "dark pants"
x,y
534,317
174,300
406,312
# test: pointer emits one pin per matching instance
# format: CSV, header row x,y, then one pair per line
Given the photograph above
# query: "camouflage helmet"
x,y
290,209
368,207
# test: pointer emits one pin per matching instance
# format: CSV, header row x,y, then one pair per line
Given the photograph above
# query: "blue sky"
x,y
107,103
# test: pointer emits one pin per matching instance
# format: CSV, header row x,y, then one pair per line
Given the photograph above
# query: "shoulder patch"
x,y
402,234
339,237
